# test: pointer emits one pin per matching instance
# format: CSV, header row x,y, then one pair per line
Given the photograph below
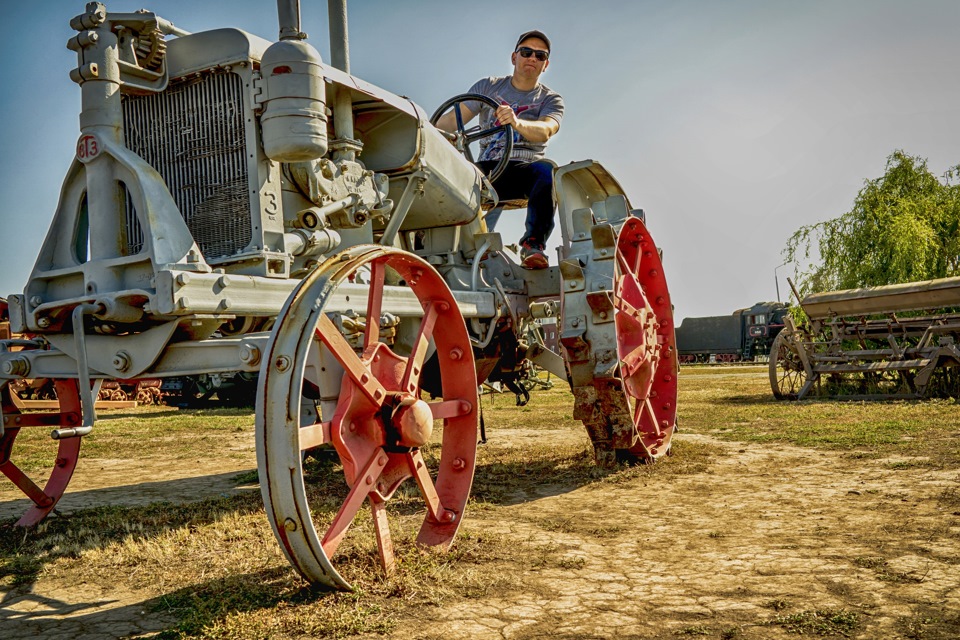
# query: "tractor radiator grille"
x,y
193,135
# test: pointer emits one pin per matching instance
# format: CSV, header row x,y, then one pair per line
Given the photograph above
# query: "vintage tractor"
x,y
237,205
894,341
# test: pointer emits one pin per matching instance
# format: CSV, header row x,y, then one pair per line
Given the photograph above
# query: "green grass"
x,y
743,409
124,434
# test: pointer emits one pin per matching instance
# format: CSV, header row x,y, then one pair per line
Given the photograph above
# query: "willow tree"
x,y
903,227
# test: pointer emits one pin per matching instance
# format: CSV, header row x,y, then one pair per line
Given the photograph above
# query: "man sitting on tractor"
x,y
534,111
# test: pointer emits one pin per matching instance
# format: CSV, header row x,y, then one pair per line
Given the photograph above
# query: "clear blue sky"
x,y
731,123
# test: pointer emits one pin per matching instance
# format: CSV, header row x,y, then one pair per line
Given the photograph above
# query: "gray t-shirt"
x,y
535,104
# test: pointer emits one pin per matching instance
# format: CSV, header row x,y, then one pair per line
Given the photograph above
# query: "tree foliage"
x,y
903,227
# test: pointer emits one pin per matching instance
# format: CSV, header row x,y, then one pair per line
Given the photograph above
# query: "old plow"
x,y
894,341
241,206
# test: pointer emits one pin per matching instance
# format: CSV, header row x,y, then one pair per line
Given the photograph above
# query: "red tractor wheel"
x,y
646,345
69,416
364,400
618,341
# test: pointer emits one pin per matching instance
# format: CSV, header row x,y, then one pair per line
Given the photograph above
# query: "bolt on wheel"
x,y
362,396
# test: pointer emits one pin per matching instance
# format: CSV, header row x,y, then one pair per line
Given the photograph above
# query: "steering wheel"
x,y
462,138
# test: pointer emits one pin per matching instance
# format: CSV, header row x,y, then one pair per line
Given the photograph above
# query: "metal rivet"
x,y
289,524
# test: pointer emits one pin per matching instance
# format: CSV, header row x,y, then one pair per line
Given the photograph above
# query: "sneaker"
x,y
532,257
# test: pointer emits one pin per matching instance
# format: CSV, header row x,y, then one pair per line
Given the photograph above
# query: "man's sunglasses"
x,y
526,52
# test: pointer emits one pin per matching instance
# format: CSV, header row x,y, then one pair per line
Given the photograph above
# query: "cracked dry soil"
x,y
756,533
729,547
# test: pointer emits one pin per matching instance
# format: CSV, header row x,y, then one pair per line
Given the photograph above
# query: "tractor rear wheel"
x,y
619,345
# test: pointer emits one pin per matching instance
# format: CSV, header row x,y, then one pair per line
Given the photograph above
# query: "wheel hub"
x,y
413,421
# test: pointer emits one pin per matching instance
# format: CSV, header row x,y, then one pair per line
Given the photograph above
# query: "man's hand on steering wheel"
x,y
506,115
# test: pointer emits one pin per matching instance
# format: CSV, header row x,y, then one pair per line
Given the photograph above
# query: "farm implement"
x,y
894,341
239,206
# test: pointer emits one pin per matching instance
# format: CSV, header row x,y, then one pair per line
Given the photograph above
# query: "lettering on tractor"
x,y
362,290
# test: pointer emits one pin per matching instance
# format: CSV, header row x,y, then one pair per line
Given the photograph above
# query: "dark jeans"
x,y
532,181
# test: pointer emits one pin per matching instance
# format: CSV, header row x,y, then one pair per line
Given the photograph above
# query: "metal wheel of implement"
x,y
646,345
68,451
787,375
316,389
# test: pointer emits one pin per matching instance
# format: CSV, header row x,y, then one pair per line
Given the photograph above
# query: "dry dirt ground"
x,y
748,542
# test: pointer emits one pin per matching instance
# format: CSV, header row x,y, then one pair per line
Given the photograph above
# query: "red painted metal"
x,y
645,339
68,450
378,377
381,424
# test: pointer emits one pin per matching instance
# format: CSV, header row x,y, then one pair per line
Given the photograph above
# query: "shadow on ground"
x,y
23,614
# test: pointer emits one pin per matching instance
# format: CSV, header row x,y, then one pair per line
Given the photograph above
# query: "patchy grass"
x,y
742,409
215,569
822,622
124,434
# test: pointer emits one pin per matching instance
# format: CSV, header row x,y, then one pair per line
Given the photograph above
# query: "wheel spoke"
x,y
388,561
444,409
25,484
628,283
314,435
420,473
348,510
329,335
374,303
636,359
486,133
625,269
653,416
639,408
411,375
